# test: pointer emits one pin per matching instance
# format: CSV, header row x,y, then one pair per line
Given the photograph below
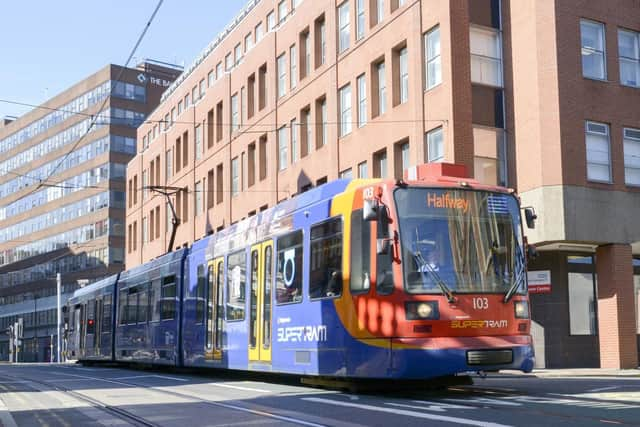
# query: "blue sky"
x,y
47,46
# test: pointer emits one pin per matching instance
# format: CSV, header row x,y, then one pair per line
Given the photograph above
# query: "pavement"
x,y
578,372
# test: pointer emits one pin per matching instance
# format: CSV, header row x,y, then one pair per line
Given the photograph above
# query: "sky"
x,y
47,46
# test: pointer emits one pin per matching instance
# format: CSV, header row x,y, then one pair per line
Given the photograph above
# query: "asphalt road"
x,y
73,395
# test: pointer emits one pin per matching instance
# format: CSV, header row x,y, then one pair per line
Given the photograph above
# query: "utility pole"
x,y
35,322
58,288
168,192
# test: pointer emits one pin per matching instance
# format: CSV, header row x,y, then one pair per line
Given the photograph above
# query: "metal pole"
x,y
58,286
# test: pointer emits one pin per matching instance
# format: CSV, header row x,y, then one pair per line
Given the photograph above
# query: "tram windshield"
x,y
460,241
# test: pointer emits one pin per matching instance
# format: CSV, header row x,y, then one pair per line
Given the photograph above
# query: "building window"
x,y
593,50
362,100
259,32
145,230
282,76
282,11
486,56
219,70
363,170
203,88
235,115
248,42
235,177
582,312
295,153
359,19
271,21
632,156
321,122
282,148
321,41
598,157
346,174
435,146
307,134
306,55
345,110
380,164
382,88
238,53
404,156
228,62
344,27
378,13
432,55
198,138
404,75
629,53
293,61
198,198
145,183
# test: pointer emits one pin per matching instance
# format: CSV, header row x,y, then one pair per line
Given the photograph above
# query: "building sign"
x,y
539,282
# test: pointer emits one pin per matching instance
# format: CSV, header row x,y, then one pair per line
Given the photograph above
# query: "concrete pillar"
x,y
616,308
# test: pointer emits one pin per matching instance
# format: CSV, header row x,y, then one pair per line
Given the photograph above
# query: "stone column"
x,y
616,308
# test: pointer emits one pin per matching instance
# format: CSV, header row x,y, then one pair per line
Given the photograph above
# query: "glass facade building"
x,y
62,194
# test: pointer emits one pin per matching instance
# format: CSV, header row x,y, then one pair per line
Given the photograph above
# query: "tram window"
x,y
143,304
154,300
210,281
360,279
132,306
236,285
289,273
200,288
106,313
168,298
325,279
122,307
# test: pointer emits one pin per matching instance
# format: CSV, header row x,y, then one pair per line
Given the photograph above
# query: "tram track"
x,y
120,413
139,421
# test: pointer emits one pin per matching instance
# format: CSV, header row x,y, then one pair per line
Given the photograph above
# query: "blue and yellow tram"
x,y
365,279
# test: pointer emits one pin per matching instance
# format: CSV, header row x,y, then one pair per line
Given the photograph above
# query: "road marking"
x,y
464,421
133,377
595,390
484,400
170,378
6,419
429,406
237,387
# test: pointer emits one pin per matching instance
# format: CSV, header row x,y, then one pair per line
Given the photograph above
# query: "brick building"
x,y
531,94
62,194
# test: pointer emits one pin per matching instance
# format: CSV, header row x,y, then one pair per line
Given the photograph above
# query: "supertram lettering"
x,y
477,324
302,334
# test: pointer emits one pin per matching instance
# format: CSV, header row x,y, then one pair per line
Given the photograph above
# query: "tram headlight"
x,y
521,309
422,310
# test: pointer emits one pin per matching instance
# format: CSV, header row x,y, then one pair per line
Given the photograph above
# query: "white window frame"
x,y
198,141
379,11
591,50
281,65
293,67
403,59
294,129
631,142
433,66
590,128
382,88
344,27
480,59
235,113
433,153
360,20
235,177
271,21
629,62
344,97
283,11
282,148
198,198
362,99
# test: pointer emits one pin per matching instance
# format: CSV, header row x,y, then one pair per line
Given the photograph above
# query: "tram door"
x,y
215,309
97,326
77,324
261,275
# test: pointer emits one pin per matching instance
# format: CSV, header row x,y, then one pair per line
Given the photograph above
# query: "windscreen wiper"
x,y
436,278
515,285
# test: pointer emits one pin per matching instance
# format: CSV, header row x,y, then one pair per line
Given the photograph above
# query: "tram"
x,y
398,279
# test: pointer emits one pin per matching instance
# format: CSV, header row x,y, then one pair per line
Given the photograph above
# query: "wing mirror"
x,y
370,209
530,217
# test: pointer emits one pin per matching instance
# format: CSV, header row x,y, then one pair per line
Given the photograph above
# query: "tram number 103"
x,y
480,303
